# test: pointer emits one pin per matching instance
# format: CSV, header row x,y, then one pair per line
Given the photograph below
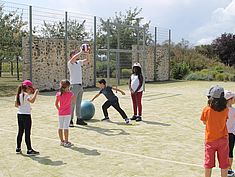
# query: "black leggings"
x,y
24,124
231,144
116,105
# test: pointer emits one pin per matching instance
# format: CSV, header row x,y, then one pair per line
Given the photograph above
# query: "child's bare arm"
x,y
73,99
95,97
116,89
57,103
33,98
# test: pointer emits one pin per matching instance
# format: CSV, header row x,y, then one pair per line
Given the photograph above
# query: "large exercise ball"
x,y
87,110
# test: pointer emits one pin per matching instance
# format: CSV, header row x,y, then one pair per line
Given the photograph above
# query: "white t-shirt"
x,y
24,107
231,120
75,71
135,83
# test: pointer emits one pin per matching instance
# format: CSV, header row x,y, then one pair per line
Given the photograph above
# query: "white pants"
x,y
64,122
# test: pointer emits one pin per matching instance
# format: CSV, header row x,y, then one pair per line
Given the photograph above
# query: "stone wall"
x,y
49,63
162,63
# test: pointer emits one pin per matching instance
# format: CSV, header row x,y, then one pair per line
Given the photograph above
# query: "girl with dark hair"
x,y
63,104
136,89
26,94
215,116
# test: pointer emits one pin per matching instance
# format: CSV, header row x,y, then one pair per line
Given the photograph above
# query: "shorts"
x,y
221,147
64,121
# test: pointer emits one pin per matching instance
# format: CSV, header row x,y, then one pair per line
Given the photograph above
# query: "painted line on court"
x,y
118,152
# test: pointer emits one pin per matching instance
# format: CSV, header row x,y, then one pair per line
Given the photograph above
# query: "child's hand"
x,y
36,91
132,91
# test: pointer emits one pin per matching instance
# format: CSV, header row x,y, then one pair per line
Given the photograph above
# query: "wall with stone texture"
x,y
147,62
49,63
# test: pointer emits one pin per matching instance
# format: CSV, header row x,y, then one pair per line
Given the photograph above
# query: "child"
x,y
230,97
22,102
136,88
214,116
63,104
112,100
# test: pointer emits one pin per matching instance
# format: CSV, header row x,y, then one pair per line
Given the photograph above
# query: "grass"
x,y
8,86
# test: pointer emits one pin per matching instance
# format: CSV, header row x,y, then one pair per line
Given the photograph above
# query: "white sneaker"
x,y
128,121
68,144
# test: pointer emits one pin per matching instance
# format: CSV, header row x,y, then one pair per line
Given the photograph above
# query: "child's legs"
x,y
105,107
207,172
60,129
28,124
134,103
139,102
66,127
210,149
20,129
119,109
78,101
231,146
224,172
223,153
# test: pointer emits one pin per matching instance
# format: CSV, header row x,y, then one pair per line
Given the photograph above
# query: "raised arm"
x,y
75,57
116,89
33,98
98,94
88,58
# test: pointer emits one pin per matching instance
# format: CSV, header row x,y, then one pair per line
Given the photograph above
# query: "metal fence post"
x,y
144,57
66,44
95,50
155,53
169,54
30,43
108,53
118,70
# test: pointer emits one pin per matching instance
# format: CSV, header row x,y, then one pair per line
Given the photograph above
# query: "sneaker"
x,y
81,122
106,118
68,144
71,124
139,118
18,151
134,117
127,120
62,143
32,152
230,172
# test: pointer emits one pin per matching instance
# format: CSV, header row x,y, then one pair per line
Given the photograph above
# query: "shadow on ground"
x,y
104,131
45,160
85,151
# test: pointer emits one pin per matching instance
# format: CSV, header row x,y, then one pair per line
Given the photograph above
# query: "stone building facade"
x,y
49,65
147,62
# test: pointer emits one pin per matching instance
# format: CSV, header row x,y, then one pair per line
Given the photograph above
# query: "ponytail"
x,y
19,89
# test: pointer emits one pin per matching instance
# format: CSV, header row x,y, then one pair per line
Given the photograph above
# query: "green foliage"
x,y
123,29
126,73
11,34
180,70
76,30
213,74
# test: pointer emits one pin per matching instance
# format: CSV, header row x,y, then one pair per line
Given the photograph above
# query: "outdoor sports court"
x,y
168,142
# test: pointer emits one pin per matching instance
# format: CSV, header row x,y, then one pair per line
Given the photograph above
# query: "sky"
x,y
198,21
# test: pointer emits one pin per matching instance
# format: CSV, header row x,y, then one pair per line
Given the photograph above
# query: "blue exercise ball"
x,y
87,110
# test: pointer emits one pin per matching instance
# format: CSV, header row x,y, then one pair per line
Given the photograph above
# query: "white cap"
x,y
137,64
228,95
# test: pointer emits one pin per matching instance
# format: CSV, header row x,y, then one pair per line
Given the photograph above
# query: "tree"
x,y
206,50
76,30
124,25
11,34
224,47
